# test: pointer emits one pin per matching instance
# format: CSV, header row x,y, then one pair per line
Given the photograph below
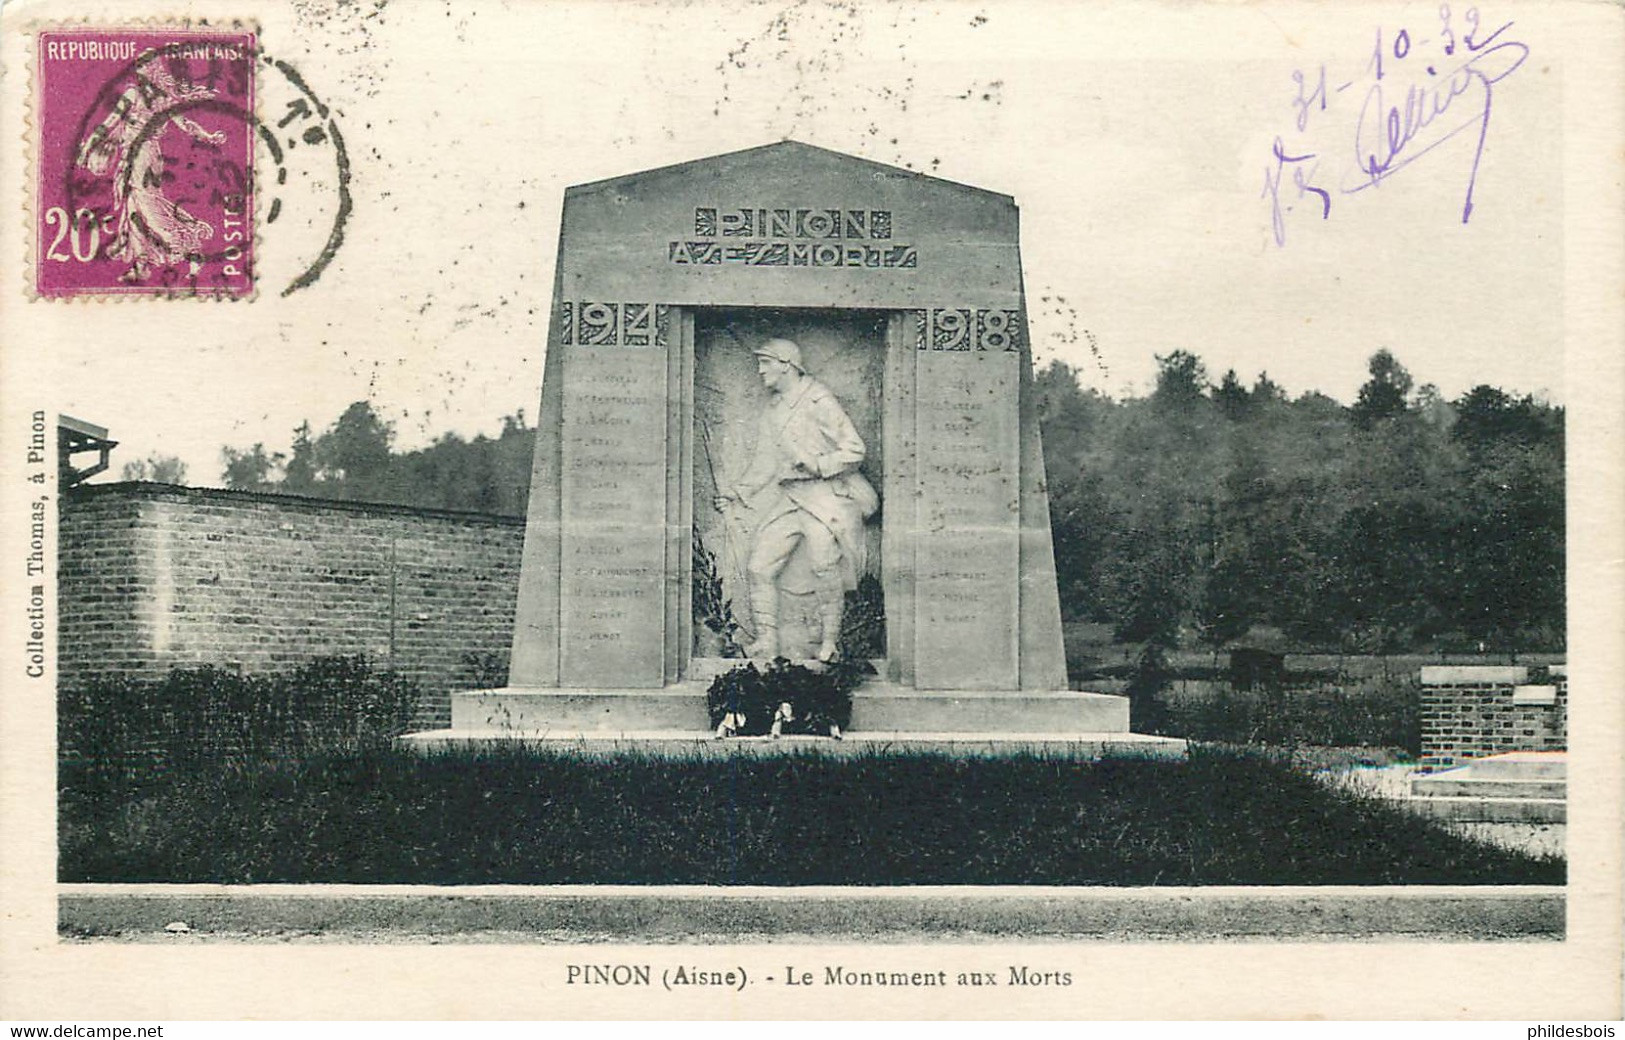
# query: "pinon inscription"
x,y
709,222
821,237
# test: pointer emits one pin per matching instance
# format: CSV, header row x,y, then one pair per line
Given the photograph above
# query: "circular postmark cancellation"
x,y
146,175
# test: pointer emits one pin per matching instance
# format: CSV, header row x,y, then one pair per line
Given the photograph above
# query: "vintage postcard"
x,y
927,509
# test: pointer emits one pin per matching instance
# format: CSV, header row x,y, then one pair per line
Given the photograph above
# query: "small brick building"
x,y
1470,711
153,576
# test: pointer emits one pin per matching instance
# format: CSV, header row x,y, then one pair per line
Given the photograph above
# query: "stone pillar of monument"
x,y
904,295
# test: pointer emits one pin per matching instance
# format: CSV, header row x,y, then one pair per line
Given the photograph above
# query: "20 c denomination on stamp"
x,y
144,180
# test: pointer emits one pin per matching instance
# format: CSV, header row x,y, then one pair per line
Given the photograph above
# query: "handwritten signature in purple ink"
x,y
1302,178
1389,137
1416,95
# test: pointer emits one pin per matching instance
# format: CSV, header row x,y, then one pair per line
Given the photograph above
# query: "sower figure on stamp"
x,y
153,229
804,486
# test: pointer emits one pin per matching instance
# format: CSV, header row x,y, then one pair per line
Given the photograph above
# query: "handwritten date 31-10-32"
x,y
1416,92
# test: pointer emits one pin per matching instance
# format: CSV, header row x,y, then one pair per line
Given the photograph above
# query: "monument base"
x,y
884,716
877,706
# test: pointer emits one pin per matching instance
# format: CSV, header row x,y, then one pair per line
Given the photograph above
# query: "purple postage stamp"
x,y
145,172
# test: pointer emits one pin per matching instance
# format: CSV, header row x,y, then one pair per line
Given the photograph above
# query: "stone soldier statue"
x,y
803,484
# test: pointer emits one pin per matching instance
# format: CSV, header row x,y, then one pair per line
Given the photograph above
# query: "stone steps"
x,y
1519,787
1444,786
878,706
519,709
1522,765
885,717
1492,810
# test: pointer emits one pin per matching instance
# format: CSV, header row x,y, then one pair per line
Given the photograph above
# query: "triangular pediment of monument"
x,y
778,163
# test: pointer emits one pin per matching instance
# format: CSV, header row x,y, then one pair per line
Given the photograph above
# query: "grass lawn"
x,y
515,816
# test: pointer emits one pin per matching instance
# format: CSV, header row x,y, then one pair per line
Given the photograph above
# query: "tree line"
x,y
1207,514
354,460
1202,514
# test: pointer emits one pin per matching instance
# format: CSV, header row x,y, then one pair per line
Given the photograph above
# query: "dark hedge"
x,y
501,816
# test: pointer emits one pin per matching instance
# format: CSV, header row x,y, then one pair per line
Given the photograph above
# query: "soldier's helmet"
x,y
782,350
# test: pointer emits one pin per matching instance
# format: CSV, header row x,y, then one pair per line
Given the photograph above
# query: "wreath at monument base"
x,y
785,699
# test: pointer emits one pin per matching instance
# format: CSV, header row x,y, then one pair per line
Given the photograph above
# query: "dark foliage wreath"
x,y
786,698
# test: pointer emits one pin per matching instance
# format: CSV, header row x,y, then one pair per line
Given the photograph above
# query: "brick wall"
x,y
153,576
1469,711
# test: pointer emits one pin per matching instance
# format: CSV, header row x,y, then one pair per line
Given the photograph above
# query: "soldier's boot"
x,y
830,604
765,609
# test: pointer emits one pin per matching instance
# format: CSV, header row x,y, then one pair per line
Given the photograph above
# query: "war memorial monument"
x,y
809,376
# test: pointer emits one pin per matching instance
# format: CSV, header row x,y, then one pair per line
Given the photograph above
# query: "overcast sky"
x,y
1138,156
